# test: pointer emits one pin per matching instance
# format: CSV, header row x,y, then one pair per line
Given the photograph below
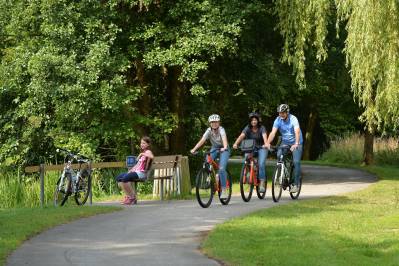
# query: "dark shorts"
x,y
127,177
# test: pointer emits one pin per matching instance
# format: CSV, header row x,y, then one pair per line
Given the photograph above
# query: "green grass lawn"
x,y
360,228
19,224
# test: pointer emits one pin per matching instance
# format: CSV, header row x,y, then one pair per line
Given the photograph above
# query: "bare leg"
x,y
133,186
127,188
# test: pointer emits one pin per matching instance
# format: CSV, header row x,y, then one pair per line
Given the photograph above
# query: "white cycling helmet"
x,y
283,108
214,118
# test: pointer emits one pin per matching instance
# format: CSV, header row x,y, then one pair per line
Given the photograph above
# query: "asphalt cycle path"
x,y
164,233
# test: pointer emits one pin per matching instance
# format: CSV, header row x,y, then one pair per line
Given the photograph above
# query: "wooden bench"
x,y
161,168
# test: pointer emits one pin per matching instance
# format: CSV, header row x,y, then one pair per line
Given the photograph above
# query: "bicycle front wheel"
x,y
246,186
295,195
276,184
62,190
83,187
229,189
204,187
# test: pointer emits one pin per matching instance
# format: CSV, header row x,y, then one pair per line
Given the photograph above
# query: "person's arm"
x,y
238,140
149,154
198,145
297,138
225,143
271,137
264,136
297,130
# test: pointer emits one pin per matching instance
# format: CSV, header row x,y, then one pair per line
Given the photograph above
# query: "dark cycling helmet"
x,y
283,108
254,115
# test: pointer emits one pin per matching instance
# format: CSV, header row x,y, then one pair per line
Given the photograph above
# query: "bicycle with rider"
x,y
217,136
288,126
256,131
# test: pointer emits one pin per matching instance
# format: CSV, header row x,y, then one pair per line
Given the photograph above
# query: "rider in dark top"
x,y
255,130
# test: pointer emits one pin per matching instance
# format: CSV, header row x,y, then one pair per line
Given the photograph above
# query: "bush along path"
x,y
165,233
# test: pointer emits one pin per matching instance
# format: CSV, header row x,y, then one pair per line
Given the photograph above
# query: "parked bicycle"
x,y
250,176
283,177
77,182
207,183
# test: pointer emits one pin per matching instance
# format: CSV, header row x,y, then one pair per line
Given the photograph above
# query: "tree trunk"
x,y
137,77
177,93
368,155
312,119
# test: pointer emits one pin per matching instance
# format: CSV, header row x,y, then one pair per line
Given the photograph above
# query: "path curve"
x,y
164,233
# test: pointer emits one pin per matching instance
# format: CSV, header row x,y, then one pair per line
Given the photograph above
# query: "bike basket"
x,y
247,145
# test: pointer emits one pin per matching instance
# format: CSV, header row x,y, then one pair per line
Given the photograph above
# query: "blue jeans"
x,y
296,156
224,158
262,155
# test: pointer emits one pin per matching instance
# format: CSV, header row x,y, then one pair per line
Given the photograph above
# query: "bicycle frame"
x,y
212,166
286,162
75,175
253,162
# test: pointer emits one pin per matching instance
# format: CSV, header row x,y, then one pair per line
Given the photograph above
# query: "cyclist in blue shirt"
x,y
291,135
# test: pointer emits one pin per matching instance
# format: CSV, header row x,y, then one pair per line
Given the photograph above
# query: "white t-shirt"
x,y
215,136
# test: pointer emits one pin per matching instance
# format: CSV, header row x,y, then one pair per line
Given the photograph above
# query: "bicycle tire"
x,y
229,187
295,195
204,187
61,194
83,188
276,184
244,183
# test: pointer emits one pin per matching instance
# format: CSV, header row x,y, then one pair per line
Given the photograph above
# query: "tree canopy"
x,y
94,76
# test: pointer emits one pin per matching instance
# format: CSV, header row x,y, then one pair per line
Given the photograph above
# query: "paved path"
x,y
163,233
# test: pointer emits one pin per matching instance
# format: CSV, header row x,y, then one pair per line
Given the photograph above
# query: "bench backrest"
x,y
164,162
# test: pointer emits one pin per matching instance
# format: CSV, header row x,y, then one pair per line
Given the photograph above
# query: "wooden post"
x,y
42,185
185,176
161,189
91,186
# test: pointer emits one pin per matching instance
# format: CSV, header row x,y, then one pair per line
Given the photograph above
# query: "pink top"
x,y
141,164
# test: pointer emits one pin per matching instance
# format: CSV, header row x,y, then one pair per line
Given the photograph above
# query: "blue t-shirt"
x,y
286,129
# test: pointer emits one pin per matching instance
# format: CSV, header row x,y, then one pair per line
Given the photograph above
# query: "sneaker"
x,y
262,186
294,189
130,201
223,195
124,199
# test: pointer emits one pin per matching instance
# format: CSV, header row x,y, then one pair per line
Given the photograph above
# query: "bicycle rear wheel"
x,y
204,187
83,187
62,190
276,184
229,189
245,187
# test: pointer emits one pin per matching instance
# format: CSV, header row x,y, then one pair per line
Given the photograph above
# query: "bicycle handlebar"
x,y
73,155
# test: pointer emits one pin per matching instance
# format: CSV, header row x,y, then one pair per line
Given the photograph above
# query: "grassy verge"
x,y
360,228
17,225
